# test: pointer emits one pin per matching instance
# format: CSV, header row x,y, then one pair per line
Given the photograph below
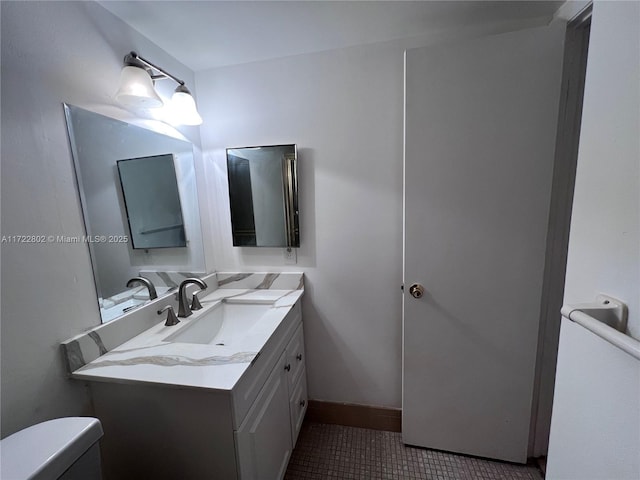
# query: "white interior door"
x,y
480,125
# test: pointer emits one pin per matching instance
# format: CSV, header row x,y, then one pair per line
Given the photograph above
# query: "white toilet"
x,y
64,448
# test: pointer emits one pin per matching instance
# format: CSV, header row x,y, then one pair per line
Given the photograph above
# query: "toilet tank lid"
x,y
47,449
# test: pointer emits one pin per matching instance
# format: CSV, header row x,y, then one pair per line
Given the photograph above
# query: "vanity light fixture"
x,y
136,89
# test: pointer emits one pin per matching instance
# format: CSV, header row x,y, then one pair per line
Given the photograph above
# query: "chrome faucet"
x,y
183,302
147,283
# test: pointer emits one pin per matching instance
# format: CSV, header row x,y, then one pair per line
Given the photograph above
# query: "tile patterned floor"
x,y
347,453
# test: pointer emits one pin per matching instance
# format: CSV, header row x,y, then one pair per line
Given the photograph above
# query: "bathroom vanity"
x,y
181,402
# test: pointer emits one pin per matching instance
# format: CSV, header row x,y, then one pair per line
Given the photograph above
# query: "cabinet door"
x,y
298,407
264,439
295,358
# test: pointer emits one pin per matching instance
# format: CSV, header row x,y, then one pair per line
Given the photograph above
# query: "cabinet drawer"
x,y
298,406
295,357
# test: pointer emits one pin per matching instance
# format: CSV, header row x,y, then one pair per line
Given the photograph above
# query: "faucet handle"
x,y
195,301
171,316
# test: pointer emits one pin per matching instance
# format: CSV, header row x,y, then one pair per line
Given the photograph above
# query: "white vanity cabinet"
x,y
246,433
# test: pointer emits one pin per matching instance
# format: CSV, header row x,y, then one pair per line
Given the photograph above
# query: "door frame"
x,y
563,182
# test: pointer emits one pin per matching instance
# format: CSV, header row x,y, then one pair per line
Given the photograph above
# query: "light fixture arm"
x,y
135,60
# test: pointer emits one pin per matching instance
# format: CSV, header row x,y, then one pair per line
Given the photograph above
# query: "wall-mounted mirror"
x,y
263,196
98,143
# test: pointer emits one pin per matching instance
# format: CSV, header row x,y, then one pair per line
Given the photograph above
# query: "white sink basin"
x,y
224,324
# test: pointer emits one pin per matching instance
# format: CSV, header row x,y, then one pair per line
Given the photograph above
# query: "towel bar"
x,y
607,318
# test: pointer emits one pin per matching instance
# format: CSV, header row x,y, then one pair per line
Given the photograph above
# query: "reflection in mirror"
x,y
97,143
263,196
152,201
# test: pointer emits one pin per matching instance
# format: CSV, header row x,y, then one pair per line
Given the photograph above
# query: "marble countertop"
x,y
149,359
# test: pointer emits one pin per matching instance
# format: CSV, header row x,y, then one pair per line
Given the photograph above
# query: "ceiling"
x,y
209,34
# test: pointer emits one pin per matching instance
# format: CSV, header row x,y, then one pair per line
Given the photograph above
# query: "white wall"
x,y
344,111
52,52
595,428
343,108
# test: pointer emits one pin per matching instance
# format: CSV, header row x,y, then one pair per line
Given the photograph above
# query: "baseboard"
x,y
351,415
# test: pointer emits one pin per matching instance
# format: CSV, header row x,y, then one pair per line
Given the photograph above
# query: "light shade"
x,y
184,107
136,89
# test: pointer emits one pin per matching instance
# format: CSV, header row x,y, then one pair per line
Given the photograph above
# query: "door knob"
x,y
416,290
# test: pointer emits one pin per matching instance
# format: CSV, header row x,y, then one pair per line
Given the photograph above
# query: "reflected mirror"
x,y
263,196
165,234
152,202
